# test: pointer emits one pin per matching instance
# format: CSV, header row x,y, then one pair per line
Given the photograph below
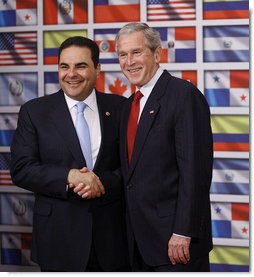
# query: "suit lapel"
x,y
102,116
123,133
61,117
147,118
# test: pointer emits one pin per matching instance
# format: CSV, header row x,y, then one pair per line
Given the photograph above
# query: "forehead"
x,y
75,53
131,41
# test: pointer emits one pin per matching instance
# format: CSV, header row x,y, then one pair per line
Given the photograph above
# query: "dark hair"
x,y
81,42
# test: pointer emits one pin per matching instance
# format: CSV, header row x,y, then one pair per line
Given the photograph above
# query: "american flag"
x,y
19,48
161,10
5,177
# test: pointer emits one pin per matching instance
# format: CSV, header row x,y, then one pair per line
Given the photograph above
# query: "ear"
x,y
98,70
157,54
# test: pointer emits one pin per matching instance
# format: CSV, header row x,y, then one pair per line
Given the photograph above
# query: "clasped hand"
x,y
85,183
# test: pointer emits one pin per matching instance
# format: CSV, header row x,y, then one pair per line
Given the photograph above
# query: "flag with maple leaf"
x,y
227,88
115,83
230,220
18,12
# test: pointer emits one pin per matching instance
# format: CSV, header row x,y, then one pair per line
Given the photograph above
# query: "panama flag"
x,y
8,124
5,163
225,9
17,88
229,259
52,41
226,43
105,39
178,44
16,209
230,176
227,88
161,10
190,76
230,132
18,12
51,83
65,12
16,249
230,220
116,11
114,83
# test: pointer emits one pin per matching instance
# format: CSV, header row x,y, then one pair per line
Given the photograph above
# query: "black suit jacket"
x,y
168,181
44,148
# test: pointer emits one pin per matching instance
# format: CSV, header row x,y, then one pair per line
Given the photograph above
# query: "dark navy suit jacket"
x,y
168,181
44,148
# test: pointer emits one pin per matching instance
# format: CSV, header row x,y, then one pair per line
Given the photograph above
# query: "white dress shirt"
x,y
91,114
147,89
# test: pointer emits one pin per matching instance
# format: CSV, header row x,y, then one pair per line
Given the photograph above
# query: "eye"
x,y
81,66
137,52
122,55
63,66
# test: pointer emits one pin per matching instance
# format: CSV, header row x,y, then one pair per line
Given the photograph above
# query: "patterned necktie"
x,y
133,123
83,134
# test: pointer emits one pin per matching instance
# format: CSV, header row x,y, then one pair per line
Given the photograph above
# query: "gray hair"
x,y
152,37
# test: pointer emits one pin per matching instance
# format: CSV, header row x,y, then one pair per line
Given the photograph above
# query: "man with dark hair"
x,y
65,150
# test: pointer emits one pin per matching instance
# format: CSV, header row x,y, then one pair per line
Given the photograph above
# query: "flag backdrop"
x,y
5,162
230,176
227,88
18,12
226,44
18,48
18,87
64,12
52,41
225,9
116,11
205,42
230,132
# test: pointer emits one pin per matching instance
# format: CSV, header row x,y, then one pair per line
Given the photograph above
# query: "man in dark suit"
x,y
78,222
168,172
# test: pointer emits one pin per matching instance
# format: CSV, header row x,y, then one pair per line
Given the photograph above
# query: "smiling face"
x,y
136,60
76,72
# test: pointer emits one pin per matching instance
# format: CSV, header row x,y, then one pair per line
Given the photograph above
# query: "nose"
x,y
72,72
129,59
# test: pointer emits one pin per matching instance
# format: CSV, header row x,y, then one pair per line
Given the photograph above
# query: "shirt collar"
x,y
147,88
90,101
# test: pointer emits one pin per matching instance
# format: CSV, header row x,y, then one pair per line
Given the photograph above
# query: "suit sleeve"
x,y
27,170
194,151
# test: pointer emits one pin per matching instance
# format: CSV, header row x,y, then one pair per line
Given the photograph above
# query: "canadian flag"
x,y
114,83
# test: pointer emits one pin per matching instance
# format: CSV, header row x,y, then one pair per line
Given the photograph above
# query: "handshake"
x,y
85,183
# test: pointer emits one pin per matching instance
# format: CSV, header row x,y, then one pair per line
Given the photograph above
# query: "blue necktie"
x,y
83,134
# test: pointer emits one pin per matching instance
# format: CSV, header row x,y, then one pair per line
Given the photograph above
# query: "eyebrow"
x,y
77,64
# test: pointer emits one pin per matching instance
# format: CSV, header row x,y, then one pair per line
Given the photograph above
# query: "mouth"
x,y
134,70
73,83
